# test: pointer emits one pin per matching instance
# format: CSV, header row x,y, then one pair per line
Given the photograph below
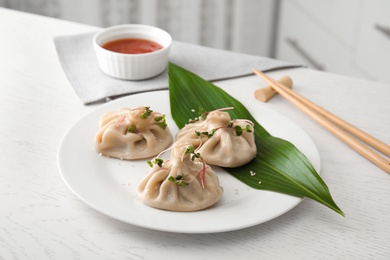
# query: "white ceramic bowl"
x,y
132,66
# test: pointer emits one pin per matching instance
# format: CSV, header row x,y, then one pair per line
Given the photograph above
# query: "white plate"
x,y
109,185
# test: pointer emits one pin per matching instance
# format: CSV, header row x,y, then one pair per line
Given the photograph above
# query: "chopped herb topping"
x,y
161,122
147,112
178,180
190,150
156,161
196,156
208,134
132,129
239,129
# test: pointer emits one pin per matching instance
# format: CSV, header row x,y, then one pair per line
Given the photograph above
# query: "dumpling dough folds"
x,y
156,190
224,147
125,134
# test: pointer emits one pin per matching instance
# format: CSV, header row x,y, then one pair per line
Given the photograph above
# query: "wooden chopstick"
x,y
373,142
326,118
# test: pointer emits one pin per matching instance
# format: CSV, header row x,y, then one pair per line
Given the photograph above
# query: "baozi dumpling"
x,y
183,183
220,140
132,133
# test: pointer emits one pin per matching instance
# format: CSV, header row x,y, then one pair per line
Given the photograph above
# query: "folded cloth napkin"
x,y
79,62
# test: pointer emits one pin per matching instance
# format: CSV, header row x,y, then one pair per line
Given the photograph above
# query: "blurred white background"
x,y
225,24
350,37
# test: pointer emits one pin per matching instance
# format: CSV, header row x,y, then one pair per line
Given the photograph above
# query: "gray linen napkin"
x,y
79,62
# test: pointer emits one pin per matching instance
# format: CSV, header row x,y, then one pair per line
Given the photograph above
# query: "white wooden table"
x,y
40,218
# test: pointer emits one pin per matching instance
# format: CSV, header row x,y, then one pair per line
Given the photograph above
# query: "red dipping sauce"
x,y
132,46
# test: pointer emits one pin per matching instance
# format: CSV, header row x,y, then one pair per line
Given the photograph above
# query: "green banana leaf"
x,y
279,165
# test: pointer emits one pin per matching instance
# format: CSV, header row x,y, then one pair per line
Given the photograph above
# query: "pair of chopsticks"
x,y
335,125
